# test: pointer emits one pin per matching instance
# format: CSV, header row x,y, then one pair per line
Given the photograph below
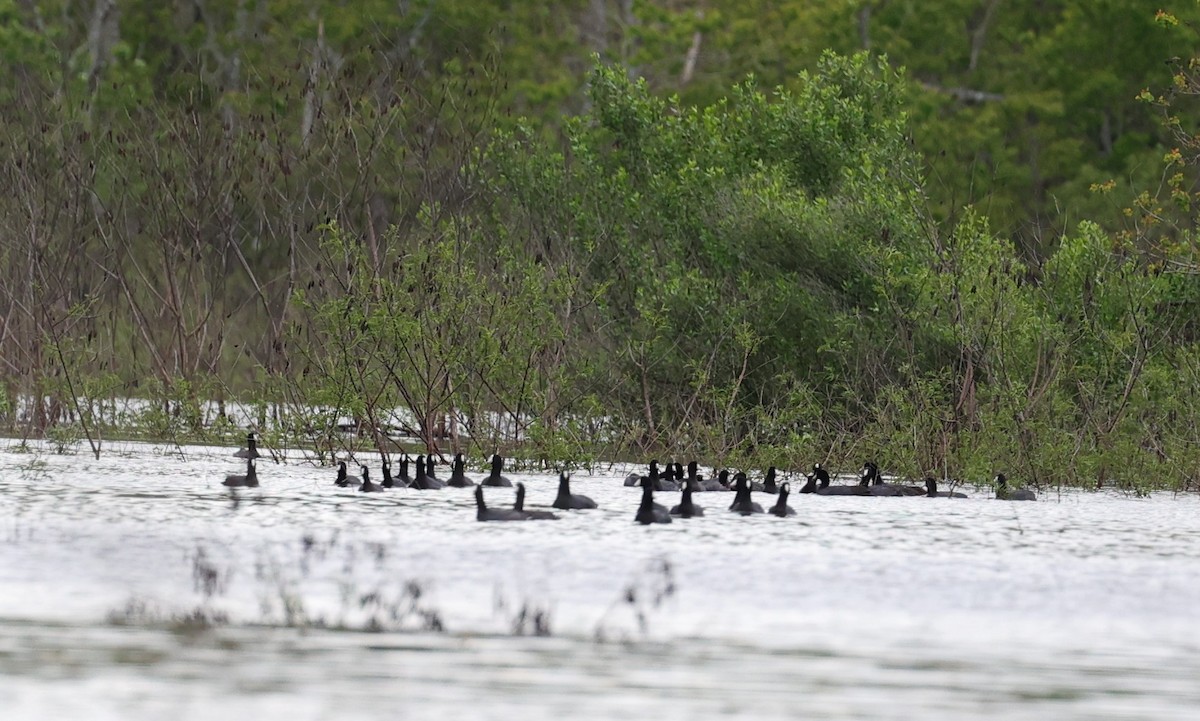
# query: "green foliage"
x,y
723,243
431,331
467,221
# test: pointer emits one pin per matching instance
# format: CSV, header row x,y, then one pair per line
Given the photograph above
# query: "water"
x,y
1079,606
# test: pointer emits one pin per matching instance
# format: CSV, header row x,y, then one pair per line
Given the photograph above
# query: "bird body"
x,y
686,508
824,489
742,501
403,478
496,477
1003,493
388,481
423,481
567,500
874,482
249,480
367,486
458,476
483,513
769,485
648,511
519,507
251,449
343,478
781,507
931,491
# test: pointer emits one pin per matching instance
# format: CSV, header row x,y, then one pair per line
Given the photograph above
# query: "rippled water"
x,y
1079,606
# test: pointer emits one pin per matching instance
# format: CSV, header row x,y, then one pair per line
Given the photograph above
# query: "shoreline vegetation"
x,y
763,278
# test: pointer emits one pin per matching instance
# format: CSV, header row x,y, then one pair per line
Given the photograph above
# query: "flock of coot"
x,y
670,478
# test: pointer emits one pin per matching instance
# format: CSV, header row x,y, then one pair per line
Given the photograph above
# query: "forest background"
x,y
955,237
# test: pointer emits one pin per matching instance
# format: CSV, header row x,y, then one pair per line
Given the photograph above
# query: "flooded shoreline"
x,y
1077,606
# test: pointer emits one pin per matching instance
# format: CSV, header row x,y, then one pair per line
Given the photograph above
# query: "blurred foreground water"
x,y
137,586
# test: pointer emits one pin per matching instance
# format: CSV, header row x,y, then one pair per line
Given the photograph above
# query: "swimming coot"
x,y
250,480
742,502
699,482
932,492
821,475
367,486
423,481
343,479
1004,494
663,483
648,511
678,475
824,489
877,487
686,508
567,500
458,476
483,513
388,481
519,507
251,449
403,478
496,477
633,479
781,507
769,484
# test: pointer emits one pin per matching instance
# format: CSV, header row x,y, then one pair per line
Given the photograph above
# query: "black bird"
x,y
932,492
429,469
251,449
403,478
824,489
367,486
661,483
343,480
519,507
388,481
858,489
1004,494
810,485
250,480
422,481
483,513
699,482
686,508
458,476
648,511
781,507
634,479
723,479
870,475
742,502
496,477
769,485
821,475
567,500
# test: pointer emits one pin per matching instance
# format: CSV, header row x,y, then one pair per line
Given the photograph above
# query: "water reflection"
x,y
1079,606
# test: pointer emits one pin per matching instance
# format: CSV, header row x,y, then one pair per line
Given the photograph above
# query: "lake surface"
x,y
328,602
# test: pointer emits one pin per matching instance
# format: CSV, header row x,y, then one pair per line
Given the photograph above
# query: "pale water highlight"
x,y
137,587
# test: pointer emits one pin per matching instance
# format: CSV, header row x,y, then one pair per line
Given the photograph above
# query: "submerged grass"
x,y
288,593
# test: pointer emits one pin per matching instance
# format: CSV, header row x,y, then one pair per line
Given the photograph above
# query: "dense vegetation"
x,y
737,231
